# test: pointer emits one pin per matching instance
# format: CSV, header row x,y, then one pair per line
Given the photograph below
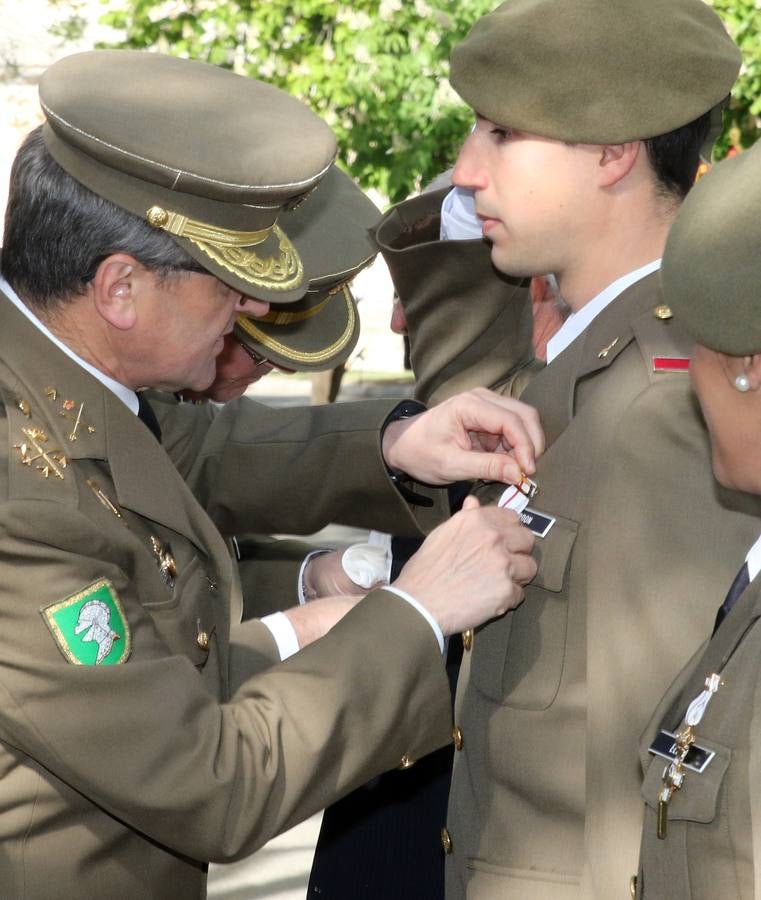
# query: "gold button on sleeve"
x,y
457,737
446,841
467,639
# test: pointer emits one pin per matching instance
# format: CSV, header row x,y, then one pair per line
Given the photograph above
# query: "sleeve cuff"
x,y
302,593
423,612
283,633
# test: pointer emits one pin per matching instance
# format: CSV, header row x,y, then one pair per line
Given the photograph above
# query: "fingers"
x,y
514,424
471,502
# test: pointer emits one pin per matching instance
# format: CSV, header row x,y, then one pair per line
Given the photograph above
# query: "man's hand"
x,y
324,576
471,568
475,435
314,620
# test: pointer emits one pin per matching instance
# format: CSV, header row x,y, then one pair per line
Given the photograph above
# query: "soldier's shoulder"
x,y
33,466
665,345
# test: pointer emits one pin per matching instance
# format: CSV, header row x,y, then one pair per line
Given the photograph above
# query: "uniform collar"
x,y
125,394
578,321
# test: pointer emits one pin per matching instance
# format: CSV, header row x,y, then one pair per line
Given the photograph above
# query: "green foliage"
x,y
743,116
375,70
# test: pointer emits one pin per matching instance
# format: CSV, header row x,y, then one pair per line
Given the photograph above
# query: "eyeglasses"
x,y
253,355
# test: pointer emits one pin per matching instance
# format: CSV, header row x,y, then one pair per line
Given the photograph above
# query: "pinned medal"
x,y
165,561
516,497
684,740
33,453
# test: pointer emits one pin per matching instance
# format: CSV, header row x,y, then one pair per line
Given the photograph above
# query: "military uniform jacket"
x,y
136,743
713,839
553,697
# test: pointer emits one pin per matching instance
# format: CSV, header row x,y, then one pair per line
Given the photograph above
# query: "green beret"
x,y
596,71
211,157
711,273
331,231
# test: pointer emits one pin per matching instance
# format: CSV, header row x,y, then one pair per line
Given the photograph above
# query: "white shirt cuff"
x,y
283,632
423,612
302,570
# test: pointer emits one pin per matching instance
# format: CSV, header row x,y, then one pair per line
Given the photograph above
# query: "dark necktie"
x,y
146,414
742,580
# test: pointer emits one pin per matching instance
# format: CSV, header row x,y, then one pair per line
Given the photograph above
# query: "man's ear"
x,y
616,161
114,289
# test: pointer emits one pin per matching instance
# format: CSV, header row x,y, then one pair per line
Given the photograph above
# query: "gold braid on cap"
x,y
266,340
229,249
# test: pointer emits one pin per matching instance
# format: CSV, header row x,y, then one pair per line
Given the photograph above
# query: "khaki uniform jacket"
x,y
713,841
545,801
124,780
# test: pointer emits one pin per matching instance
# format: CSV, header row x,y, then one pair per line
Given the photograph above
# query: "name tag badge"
x,y
536,522
697,760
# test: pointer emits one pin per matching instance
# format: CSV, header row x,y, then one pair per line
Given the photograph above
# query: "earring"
x,y
742,383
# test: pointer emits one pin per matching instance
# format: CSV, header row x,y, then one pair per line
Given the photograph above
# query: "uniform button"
x,y
467,639
446,841
406,762
663,312
633,885
202,640
457,737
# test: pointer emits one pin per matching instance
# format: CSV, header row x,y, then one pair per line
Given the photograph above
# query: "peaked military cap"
x,y
331,231
711,266
596,71
211,157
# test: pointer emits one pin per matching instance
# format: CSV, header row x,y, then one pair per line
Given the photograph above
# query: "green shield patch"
x,y
90,627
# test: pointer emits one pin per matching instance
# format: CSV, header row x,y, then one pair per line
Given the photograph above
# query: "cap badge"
x,y
230,249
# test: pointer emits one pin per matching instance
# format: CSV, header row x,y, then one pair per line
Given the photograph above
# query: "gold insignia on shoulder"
x,y
70,410
165,561
24,407
605,352
48,462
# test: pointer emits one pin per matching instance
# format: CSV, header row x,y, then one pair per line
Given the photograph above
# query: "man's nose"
x,y
468,172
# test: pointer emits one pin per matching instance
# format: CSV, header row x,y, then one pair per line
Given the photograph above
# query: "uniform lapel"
x,y
553,390
145,480
711,657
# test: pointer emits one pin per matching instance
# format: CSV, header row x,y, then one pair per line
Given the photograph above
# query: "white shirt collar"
x,y
582,318
754,559
125,394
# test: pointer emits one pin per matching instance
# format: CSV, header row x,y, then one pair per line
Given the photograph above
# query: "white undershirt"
x,y
754,559
578,321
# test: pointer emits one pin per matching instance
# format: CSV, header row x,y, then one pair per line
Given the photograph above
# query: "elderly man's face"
x,y
183,326
236,370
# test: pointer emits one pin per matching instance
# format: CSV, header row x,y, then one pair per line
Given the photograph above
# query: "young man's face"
x,y
532,195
